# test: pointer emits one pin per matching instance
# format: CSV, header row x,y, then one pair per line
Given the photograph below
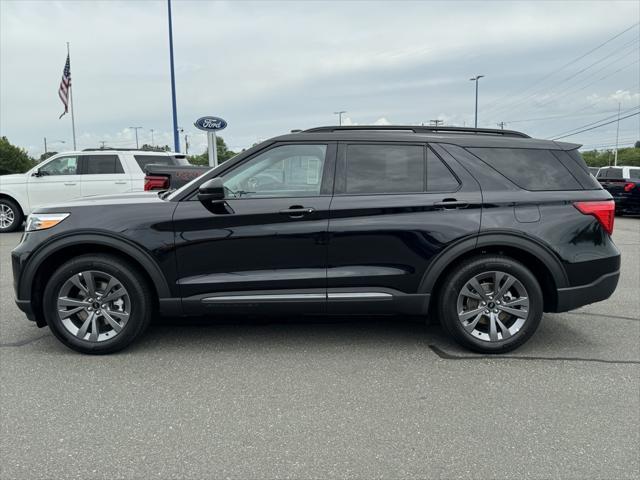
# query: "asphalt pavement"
x,y
327,398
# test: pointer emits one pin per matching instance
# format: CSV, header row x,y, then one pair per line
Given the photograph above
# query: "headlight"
x,y
42,221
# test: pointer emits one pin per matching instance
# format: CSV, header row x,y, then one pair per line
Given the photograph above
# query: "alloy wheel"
x,y
7,216
93,306
493,306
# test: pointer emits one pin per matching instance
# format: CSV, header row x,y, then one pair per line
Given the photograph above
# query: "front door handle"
x,y
297,211
450,204
120,183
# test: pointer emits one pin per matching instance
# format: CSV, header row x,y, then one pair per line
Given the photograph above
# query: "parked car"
x,y
70,175
483,229
170,177
623,183
594,171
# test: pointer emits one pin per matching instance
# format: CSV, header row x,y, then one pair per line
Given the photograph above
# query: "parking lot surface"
x,y
327,398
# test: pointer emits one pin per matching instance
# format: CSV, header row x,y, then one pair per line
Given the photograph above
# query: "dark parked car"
x,y
482,229
623,183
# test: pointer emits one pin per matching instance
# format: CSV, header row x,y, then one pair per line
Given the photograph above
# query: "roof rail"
x,y
158,150
422,129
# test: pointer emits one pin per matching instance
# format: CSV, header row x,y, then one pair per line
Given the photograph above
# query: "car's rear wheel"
x,y
97,304
10,215
491,304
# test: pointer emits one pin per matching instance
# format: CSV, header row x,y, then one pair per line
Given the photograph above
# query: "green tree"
x,y
155,148
637,144
603,158
13,159
224,154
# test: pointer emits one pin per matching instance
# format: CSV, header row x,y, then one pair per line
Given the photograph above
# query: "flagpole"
x,y
73,119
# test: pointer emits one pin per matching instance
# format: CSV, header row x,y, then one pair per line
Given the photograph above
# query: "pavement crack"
x,y
618,317
21,343
450,356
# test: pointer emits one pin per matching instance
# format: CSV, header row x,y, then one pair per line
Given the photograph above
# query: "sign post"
x,y
211,125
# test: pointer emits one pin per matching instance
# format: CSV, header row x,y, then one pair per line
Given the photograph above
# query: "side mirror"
x,y
211,190
37,173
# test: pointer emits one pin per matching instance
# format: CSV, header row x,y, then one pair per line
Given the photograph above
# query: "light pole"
x,y
152,142
55,141
615,158
176,138
475,79
136,130
339,113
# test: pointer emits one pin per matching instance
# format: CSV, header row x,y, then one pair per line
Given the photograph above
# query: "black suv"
x,y
483,229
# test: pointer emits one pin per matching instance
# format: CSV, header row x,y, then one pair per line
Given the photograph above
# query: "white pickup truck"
x,y
76,174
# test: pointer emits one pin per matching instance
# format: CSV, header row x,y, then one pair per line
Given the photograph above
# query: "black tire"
x,y
6,204
463,273
139,294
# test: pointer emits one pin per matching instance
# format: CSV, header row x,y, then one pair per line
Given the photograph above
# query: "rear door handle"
x,y
120,183
297,211
70,184
450,204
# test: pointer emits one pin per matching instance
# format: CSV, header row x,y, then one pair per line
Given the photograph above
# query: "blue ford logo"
x,y
210,124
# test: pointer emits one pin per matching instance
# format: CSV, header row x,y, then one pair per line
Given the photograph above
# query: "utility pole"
x,y
436,123
45,145
136,130
615,158
475,79
152,142
186,144
501,125
339,113
102,142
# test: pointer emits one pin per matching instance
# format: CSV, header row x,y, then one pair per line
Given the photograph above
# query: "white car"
x,y
70,175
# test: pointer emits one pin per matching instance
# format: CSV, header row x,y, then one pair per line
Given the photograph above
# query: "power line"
x,y
597,126
516,103
564,66
597,121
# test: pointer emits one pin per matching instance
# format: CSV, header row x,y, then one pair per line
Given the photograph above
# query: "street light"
x,y
136,130
55,141
152,142
475,79
339,113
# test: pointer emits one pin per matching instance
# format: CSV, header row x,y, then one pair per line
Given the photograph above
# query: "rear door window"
x,y
530,169
439,177
634,173
101,164
387,168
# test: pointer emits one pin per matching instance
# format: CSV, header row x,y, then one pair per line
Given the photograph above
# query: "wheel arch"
x,y
13,199
543,263
55,253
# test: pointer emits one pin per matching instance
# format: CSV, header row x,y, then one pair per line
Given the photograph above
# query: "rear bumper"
x,y
627,203
573,297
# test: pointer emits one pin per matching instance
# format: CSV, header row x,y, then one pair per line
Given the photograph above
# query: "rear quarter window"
x,y
530,169
613,173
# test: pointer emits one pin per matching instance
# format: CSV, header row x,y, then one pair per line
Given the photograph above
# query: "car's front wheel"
x,y
10,215
491,304
97,304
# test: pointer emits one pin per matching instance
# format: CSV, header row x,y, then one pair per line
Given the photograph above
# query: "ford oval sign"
x,y
210,124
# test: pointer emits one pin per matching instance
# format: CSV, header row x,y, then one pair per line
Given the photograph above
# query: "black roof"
x,y
464,137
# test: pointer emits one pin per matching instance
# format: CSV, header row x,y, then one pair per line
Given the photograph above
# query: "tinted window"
x,y
634,173
385,169
60,166
144,160
530,169
285,171
439,177
574,162
102,164
611,172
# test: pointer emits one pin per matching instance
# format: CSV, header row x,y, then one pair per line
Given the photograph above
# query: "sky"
x,y
269,67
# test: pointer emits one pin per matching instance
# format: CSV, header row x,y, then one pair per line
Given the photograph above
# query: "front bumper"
x,y
573,297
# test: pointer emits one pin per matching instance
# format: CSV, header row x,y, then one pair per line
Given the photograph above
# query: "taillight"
x,y
629,186
155,182
604,211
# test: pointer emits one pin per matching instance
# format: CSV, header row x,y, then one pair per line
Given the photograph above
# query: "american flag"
x,y
65,85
